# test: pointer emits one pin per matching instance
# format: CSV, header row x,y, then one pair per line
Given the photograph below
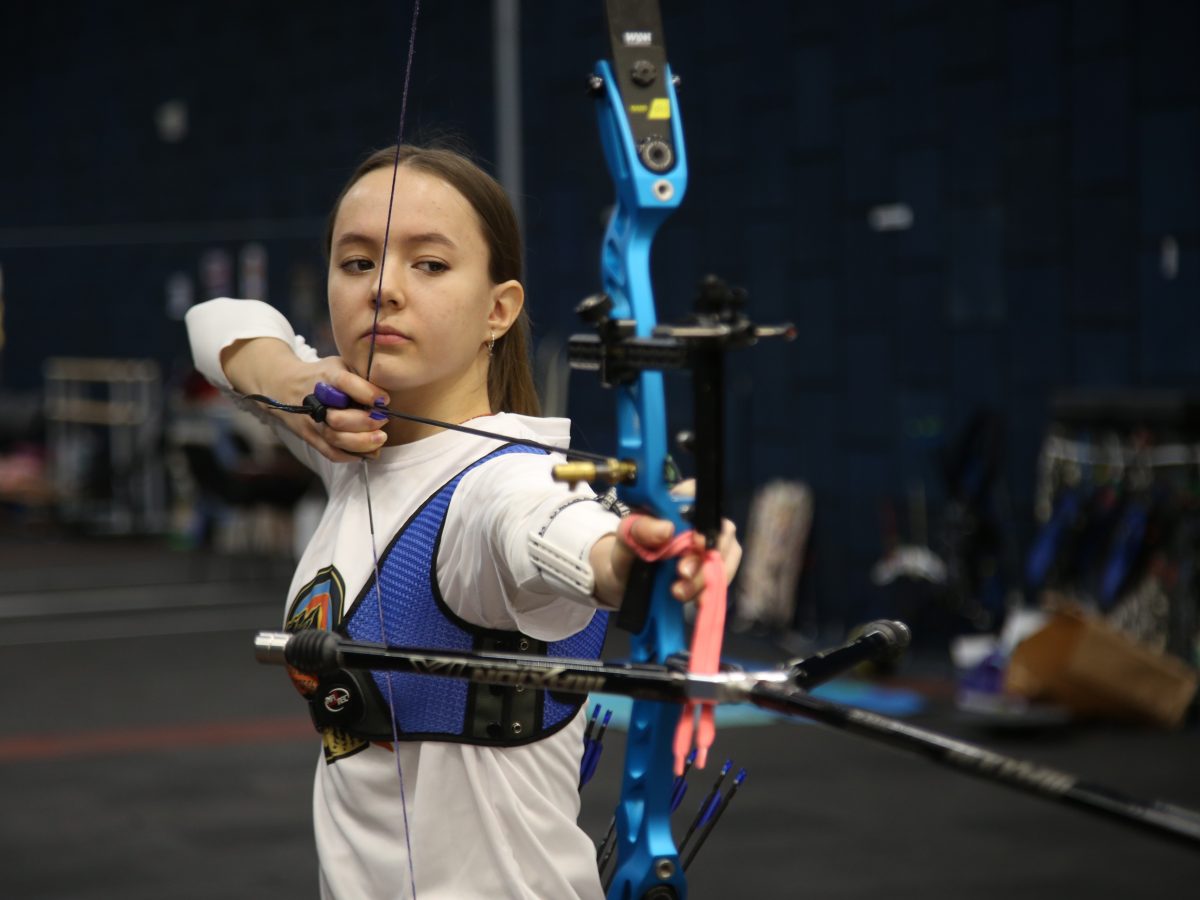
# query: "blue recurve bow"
x,y
643,144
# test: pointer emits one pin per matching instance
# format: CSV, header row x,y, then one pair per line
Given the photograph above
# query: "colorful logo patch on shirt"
x,y
317,605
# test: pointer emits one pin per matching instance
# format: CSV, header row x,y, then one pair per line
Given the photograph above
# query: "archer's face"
x,y
433,330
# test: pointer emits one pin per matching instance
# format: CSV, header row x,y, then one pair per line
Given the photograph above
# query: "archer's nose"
x,y
389,290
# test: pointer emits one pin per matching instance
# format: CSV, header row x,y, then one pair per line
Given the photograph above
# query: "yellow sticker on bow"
x,y
660,108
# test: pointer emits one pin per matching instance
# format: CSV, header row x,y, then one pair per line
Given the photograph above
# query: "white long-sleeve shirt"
x,y
483,821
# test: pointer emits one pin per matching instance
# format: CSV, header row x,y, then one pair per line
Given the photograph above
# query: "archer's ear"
x,y
508,298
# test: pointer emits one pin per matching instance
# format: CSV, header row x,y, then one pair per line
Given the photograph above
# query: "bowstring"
x,y
412,38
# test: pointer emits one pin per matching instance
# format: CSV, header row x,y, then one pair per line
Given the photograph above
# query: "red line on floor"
x,y
33,747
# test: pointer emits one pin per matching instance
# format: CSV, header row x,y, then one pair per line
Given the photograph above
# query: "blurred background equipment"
x,y
950,569
1118,504
776,540
104,440
236,488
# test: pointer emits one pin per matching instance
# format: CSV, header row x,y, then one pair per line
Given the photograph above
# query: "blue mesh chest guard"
x,y
415,615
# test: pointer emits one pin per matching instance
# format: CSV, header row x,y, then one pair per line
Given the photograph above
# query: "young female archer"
x,y
455,790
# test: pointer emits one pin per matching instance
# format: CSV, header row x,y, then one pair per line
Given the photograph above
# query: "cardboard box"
x,y
1080,662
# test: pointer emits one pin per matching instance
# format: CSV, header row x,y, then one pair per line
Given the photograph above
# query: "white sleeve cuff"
x,y
215,324
559,549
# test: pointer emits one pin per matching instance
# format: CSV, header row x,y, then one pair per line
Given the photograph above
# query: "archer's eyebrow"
x,y
353,237
427,237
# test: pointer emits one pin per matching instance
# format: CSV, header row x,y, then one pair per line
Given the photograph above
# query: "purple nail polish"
x,y
378,416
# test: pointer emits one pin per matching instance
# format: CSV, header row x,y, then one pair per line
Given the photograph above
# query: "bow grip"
x,y
639,590
646,570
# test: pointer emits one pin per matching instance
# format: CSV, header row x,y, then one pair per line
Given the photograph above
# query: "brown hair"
x,y
510,376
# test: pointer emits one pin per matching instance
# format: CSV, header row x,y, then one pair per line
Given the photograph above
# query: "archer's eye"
x,y
357,265
433,266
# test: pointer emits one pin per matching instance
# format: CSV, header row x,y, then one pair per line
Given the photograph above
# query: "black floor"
x,y
146,755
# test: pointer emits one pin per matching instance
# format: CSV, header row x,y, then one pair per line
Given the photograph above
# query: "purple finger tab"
x,y
331,396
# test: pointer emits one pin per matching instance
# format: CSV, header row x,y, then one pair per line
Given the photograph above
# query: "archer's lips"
x,y
385,335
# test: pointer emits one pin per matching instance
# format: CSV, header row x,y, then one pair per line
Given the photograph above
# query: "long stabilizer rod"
x,y
777,690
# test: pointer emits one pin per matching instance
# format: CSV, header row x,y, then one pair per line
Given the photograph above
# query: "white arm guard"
x,y
562,571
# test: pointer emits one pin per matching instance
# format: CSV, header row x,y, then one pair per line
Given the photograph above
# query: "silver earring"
x,y
492,345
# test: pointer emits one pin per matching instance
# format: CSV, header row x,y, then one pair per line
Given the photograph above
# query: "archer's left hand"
x,y
612,559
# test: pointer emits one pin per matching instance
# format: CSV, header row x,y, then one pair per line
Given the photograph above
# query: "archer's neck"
x,y
455,407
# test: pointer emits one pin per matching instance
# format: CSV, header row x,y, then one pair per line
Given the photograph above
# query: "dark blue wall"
x,y
1047,149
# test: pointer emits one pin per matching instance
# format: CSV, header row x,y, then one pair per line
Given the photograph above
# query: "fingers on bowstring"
x,y
341,446
315,436
356,441
358,389
352,433
354,421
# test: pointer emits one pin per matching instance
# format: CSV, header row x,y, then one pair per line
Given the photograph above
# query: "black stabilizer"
x,y
883,640
313,650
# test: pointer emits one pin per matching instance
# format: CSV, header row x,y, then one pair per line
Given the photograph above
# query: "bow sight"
x,y
699,345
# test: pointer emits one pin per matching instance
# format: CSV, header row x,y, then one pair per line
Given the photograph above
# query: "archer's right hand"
x,y
268,366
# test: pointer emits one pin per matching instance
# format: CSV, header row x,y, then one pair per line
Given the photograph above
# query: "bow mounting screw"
x,y
595,85
657,155
643,73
